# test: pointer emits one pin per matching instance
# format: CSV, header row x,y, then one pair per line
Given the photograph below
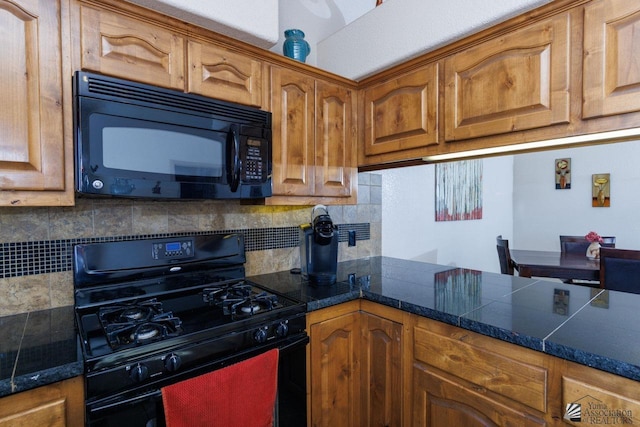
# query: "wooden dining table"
x,y
561,265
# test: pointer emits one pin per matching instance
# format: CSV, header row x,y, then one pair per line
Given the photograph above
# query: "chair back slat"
x,y
620,270
504,256
578,244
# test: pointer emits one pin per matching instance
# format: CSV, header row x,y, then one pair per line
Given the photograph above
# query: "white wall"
x,y
542,213
401,29
520,202
252,21
409,229
318,19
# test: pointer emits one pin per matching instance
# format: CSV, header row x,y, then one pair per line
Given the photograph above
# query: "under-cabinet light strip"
x,y
617,135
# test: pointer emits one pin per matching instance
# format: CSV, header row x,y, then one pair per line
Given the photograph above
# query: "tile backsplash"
x,y
36,244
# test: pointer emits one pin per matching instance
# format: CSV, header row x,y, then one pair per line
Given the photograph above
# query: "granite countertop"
x,y
590,326
593,327
38,348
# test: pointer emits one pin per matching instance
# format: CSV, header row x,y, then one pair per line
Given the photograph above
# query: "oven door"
x,y
144,408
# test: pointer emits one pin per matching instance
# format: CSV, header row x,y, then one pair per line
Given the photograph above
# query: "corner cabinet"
x,y
355,362
36,161
314,140
55,405
515,82
611,73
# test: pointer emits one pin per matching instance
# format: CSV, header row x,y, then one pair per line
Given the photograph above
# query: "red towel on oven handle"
x,y
242,394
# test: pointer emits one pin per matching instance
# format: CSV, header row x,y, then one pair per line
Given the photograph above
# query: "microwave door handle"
x,y
234,143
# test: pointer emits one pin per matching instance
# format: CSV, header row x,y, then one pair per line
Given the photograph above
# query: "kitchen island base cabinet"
x,y
441,402
56,405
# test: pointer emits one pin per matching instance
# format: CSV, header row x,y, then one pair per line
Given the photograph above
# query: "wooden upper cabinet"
x,y
293,133
32,145
222,74
314,138
335,141
514,82
124,47
402,113
611,75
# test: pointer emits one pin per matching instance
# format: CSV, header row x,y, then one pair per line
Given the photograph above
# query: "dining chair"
x,y
578,244
620,270
504,256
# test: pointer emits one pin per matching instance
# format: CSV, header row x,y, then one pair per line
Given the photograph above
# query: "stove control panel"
x,y
175,249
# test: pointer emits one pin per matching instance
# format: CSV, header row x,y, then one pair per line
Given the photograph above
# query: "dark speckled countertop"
x,y
590,326
38,348
597,328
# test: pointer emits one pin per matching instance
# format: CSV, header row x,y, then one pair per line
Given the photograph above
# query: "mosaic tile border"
x,y
52,256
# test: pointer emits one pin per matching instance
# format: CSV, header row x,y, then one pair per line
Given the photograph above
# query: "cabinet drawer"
x,y
455,351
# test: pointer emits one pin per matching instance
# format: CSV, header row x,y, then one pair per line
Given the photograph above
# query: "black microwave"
x,y
143,141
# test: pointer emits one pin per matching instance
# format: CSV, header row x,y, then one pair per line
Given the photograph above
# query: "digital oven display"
x,y
172,247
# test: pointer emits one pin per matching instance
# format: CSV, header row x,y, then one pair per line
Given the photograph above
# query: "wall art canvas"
x,y
459,190
563,174
601,190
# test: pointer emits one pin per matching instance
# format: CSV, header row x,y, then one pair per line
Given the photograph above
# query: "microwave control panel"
x,y
254,160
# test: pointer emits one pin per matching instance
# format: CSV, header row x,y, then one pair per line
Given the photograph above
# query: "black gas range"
x,y
154,312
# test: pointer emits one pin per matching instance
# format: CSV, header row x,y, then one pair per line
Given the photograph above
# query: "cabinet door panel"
x,y
381,384
132,49
32,145
335,161
516,82
611,46
403,113
293,133
441,402
335,372
222,74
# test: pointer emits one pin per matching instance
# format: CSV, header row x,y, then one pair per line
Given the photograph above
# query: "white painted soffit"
x,y
399,30
252,21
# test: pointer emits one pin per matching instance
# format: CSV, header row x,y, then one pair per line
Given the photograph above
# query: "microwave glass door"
x,y
132,146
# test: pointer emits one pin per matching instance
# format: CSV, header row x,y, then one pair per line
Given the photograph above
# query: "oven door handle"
x,y
296,342
96,407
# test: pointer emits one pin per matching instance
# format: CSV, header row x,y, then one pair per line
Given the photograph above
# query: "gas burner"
x,y
239,299
128,325
217,295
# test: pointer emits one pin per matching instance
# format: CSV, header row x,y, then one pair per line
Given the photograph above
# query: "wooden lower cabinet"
x,y
440,401
461,378
381,367
355,366
55,405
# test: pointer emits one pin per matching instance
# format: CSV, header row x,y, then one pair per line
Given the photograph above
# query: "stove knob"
x,y
260,335
172,362
139,373
282,330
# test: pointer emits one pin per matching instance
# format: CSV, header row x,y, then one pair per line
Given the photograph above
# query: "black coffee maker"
x,y
319,248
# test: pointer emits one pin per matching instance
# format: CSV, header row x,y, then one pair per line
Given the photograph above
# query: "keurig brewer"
x,y
319,248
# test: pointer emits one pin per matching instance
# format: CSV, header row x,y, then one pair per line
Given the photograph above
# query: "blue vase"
x,y
295,46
